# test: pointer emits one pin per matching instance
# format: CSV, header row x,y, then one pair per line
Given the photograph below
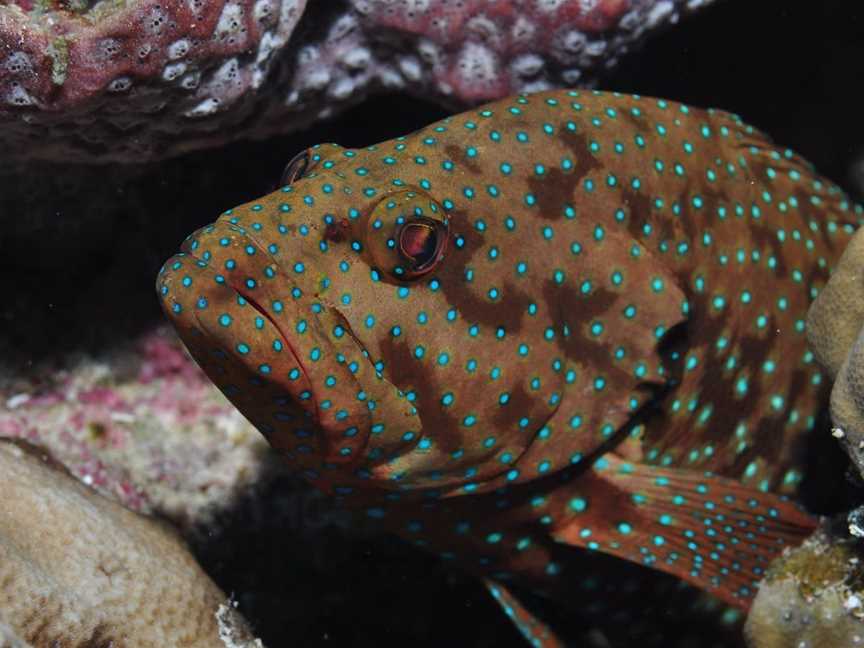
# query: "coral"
x,y
144,427
834,330
10,638
148,79
79,569
811,597
478,50
130,76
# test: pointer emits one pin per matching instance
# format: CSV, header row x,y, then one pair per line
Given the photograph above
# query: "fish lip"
x,y
287,341
315,411
329,424
318,420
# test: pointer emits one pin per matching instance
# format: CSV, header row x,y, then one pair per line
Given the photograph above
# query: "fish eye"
x,y
407,234
420,244
296,168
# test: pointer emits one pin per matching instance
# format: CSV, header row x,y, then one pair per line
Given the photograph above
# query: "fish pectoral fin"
x,y
710,531
535,631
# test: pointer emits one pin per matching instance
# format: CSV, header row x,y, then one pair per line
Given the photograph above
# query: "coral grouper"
x,y
561,322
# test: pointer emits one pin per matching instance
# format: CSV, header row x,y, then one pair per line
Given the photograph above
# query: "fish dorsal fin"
x,y
710,531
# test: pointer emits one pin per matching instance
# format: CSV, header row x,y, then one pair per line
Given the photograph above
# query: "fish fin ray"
x,y
713,532
535,631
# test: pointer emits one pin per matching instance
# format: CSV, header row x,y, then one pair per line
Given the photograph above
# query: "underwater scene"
x,y
431,323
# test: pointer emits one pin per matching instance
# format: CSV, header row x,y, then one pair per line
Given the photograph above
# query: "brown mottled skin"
x,y
670,255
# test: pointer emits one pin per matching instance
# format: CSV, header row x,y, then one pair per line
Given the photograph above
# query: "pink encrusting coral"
x,y
151,78
145,427
59,58
484,49
135,73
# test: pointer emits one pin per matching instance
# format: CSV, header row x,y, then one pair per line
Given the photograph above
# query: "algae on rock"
x,y
812,597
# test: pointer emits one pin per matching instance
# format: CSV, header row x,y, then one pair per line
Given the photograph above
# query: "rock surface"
x,y
78,569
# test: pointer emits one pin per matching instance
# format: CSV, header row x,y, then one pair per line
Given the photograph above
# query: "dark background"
x,y
79,249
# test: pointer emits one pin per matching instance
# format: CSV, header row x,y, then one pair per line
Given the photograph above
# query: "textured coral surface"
x,y
480,49
151,78
812,597
835,329
78,569
119,79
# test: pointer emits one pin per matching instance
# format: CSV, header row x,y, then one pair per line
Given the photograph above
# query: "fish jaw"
x,y
263,341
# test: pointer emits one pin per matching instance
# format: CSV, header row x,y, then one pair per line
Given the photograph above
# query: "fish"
x,y
562,324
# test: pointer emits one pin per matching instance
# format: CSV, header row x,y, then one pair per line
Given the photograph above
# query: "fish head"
x,y
364,321
336,315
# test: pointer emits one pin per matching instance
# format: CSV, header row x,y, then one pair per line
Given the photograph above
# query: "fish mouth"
x,y
243,338
286,341
236,339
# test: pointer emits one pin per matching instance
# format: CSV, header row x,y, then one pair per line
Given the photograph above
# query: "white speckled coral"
x,y
835,330
140,80
77,569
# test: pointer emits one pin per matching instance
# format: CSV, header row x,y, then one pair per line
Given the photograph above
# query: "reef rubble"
x,y
144,427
